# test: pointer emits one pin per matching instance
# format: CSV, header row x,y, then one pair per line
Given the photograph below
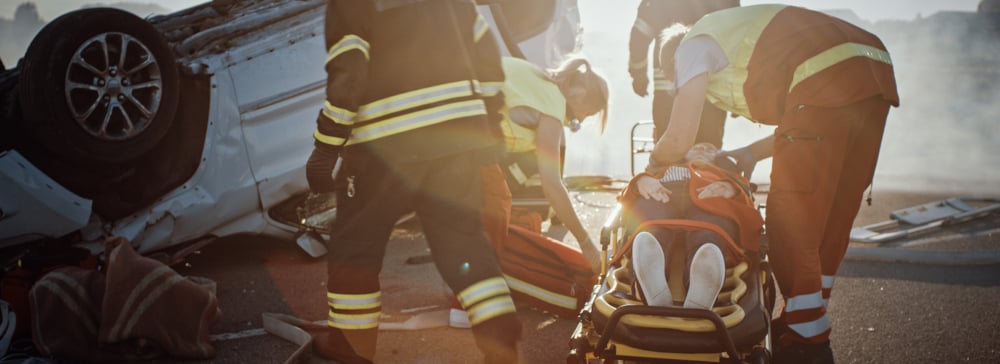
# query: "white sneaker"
x,y
458,319
708,273
649,266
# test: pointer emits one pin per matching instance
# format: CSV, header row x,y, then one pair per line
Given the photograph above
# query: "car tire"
x,y
98,85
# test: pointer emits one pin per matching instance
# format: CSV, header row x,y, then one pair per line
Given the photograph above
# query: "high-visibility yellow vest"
x,y
782,56
527,86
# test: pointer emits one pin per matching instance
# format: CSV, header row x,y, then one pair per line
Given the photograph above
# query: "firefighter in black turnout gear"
x,y
412,90
652,18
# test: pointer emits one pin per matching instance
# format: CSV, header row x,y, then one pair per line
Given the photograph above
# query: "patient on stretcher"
x,y
699,191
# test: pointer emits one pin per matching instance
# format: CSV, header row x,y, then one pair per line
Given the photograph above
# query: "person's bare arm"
x,y
684,122
747,157
547,148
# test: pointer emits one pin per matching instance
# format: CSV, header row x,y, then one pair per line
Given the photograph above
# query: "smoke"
x,y
943,135
17,31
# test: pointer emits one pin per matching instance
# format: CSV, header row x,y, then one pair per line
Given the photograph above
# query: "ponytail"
x,y
577,71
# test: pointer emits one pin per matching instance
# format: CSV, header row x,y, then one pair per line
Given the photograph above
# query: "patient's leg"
x,y
648,264
707,264
707,274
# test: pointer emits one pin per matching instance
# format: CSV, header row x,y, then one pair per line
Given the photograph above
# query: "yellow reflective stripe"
x,y
804,302
638,65
353,301
835,55
517,173
413,99
338,115
664,85
326,139
483,289
490,88
347,43
416,120
658,74
643,28
480,28
541,293
491,308
355,322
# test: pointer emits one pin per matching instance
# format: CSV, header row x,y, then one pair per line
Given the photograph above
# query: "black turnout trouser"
x,y
446,194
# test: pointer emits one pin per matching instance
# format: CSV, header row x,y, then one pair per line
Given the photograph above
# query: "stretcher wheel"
x,y
576,357
760,355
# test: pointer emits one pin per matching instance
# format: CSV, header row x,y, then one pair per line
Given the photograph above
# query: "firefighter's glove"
x,y
640,84
744,159
316,203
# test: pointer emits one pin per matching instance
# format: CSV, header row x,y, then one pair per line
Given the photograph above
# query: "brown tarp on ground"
x,y
137,308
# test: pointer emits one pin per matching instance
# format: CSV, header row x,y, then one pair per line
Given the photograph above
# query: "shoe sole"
x,y
708,273
649,265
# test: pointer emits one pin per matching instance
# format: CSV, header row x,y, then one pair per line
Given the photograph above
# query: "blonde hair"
x,y
670,39
578,72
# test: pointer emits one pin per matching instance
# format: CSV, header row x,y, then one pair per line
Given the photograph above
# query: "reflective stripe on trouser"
x,y
486,299
542,294
824,158
445,193
354,311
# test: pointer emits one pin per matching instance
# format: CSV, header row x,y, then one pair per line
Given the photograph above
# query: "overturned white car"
x,y
188,126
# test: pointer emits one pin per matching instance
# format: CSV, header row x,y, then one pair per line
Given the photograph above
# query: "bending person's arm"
x,y
549,135
684,119
747,157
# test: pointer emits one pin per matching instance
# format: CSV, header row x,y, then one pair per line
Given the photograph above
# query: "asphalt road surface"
x,y
883,310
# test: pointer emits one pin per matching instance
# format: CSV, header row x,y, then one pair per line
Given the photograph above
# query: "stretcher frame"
x,y
589,345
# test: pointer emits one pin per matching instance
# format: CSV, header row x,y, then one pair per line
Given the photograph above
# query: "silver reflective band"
x,y
812,328
643,28
828,281
804,302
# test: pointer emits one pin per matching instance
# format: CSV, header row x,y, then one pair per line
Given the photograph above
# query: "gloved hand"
x,y
744,159
640,84
316,203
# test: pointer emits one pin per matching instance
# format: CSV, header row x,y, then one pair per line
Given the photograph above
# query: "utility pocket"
x,y
798,158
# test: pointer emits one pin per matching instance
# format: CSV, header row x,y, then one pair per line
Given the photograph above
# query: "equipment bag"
x,y
545,273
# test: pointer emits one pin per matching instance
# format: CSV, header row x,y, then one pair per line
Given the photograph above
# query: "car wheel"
x,y
98,85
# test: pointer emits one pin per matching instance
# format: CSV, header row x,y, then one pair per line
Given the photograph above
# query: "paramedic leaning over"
x,y
410,89
538,104
828,86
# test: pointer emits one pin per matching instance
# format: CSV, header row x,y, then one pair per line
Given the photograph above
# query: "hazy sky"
x,y
866,9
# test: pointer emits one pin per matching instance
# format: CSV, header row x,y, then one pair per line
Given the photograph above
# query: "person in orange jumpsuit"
x,y
827,85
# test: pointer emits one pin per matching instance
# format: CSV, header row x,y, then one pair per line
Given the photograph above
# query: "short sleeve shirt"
x,y
700,54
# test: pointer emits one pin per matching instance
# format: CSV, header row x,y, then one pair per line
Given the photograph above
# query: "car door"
x,y
279,81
